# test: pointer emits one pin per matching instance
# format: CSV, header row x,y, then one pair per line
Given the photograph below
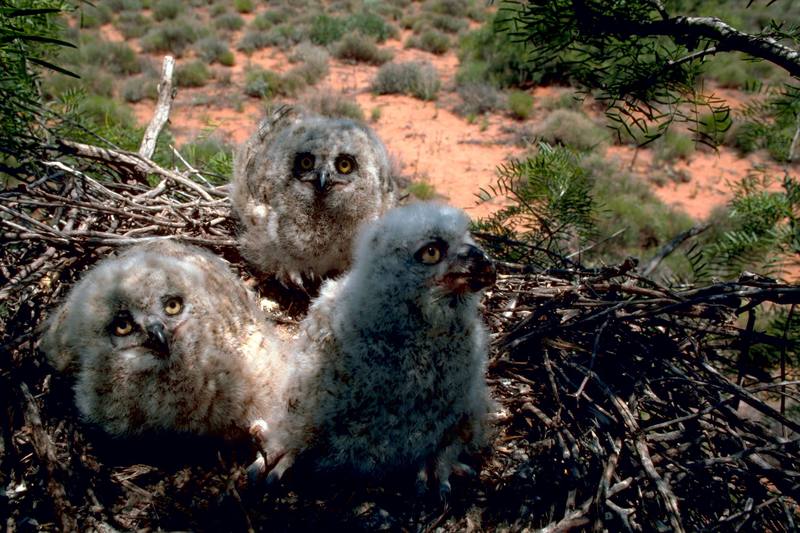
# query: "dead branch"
x,y
165,96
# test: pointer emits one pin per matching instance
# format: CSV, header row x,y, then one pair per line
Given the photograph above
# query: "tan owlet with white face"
x,y
165,337
302,186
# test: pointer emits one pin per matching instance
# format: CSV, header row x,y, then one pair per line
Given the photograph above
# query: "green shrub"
x,y
93,81
325,30
713,126
119,58
565,100
313,61
491,55
448,24
418,79
627,202
132,25
371,24
212,156
243,6
270,18
124,5
140,88
361,49
214,50
193,74
572,129
421,190
92,16
261,83
104,112
430,40
167,9
478,98
229,22
673,145
252,41
520,104
333,105
174,37
286,35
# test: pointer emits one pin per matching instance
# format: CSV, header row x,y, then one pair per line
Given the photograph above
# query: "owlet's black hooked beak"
x,y
472,271
157,338
323,181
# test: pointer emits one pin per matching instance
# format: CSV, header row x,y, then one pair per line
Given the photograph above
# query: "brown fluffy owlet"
x,y
165,337
302,185
390,362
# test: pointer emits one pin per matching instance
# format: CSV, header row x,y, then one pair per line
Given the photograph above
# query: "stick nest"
x,y
618,399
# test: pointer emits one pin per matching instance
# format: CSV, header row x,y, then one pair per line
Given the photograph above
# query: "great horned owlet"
x,y
165,337
391,360
302,185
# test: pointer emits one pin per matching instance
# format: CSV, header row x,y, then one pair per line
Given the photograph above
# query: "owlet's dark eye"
x,y
122,325
173,305
430,254
305,162
345,164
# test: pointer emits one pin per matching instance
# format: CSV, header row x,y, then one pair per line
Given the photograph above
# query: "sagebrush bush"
x,y
132,25
93,80
174,37
334,105
359,48
93,16
491,55
325,30
628,202
243,6
229,21
118,58
371,24
313,62
192,74
478,98
139,88
167,9
261,83
415,78
448,24
252,41
124,5
571,128
673,145
104,112
430,40
286,35
520,104
214,50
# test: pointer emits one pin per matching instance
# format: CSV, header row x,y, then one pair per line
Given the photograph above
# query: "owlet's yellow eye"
x,y
306,162
430,254
122,326
173,306
345,164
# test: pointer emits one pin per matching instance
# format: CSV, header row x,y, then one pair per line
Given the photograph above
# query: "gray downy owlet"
x,y
164,337
302,186
389,366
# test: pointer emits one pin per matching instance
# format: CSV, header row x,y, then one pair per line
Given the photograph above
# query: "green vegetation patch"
x,y
415,78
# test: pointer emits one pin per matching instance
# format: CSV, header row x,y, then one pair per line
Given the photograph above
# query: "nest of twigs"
x,y
619,398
